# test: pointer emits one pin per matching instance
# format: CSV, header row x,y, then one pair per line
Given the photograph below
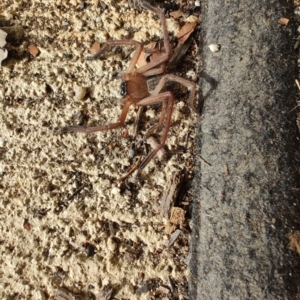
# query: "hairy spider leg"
x,y
160,122
168,98
166,55
169,77
107,45
191,86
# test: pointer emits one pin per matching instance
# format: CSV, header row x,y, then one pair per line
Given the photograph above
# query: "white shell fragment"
x,y
3,52
3,35
214,47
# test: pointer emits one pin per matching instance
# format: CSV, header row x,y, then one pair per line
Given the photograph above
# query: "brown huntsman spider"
x,y
134,87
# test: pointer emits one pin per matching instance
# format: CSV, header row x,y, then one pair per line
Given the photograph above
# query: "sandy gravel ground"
x,y
65,219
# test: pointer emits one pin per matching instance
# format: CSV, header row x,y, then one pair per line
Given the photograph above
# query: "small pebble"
x,y
81,6
65,23
111,245
197,3
115,191
3,35
103,5
2,285
40,295
90,250
130,257
131,153
214,47
80,92
95,48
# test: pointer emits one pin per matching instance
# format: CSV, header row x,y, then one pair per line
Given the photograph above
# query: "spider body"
x,y
134,87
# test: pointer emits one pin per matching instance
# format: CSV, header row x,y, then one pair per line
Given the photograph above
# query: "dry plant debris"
x,y
297,43
34,51
295,241
173,238
65,220
26,225
177,218
65,294
283,21
142,60
95,48
185,32
176,14
298,122
170,194
105,293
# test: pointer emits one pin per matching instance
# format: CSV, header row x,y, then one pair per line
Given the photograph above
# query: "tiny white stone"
x,y
40,295
197,3
80,92
214,47
115,191
65,23
3,35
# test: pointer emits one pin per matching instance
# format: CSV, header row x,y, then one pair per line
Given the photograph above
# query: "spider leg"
x,y
191,86
161,120
167,99
166,55
105,47
161,69
103,127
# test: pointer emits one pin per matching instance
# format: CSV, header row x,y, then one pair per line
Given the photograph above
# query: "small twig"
x,y
170,285
293,108
204,160
65,294
171,193
76,192
173,238
135,166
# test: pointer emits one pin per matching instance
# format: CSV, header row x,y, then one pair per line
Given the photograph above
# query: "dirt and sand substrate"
x,y
67,223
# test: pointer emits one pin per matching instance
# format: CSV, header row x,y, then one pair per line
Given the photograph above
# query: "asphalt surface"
x,y
247,183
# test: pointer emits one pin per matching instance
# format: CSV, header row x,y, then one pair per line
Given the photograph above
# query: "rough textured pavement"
x,y
246,200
